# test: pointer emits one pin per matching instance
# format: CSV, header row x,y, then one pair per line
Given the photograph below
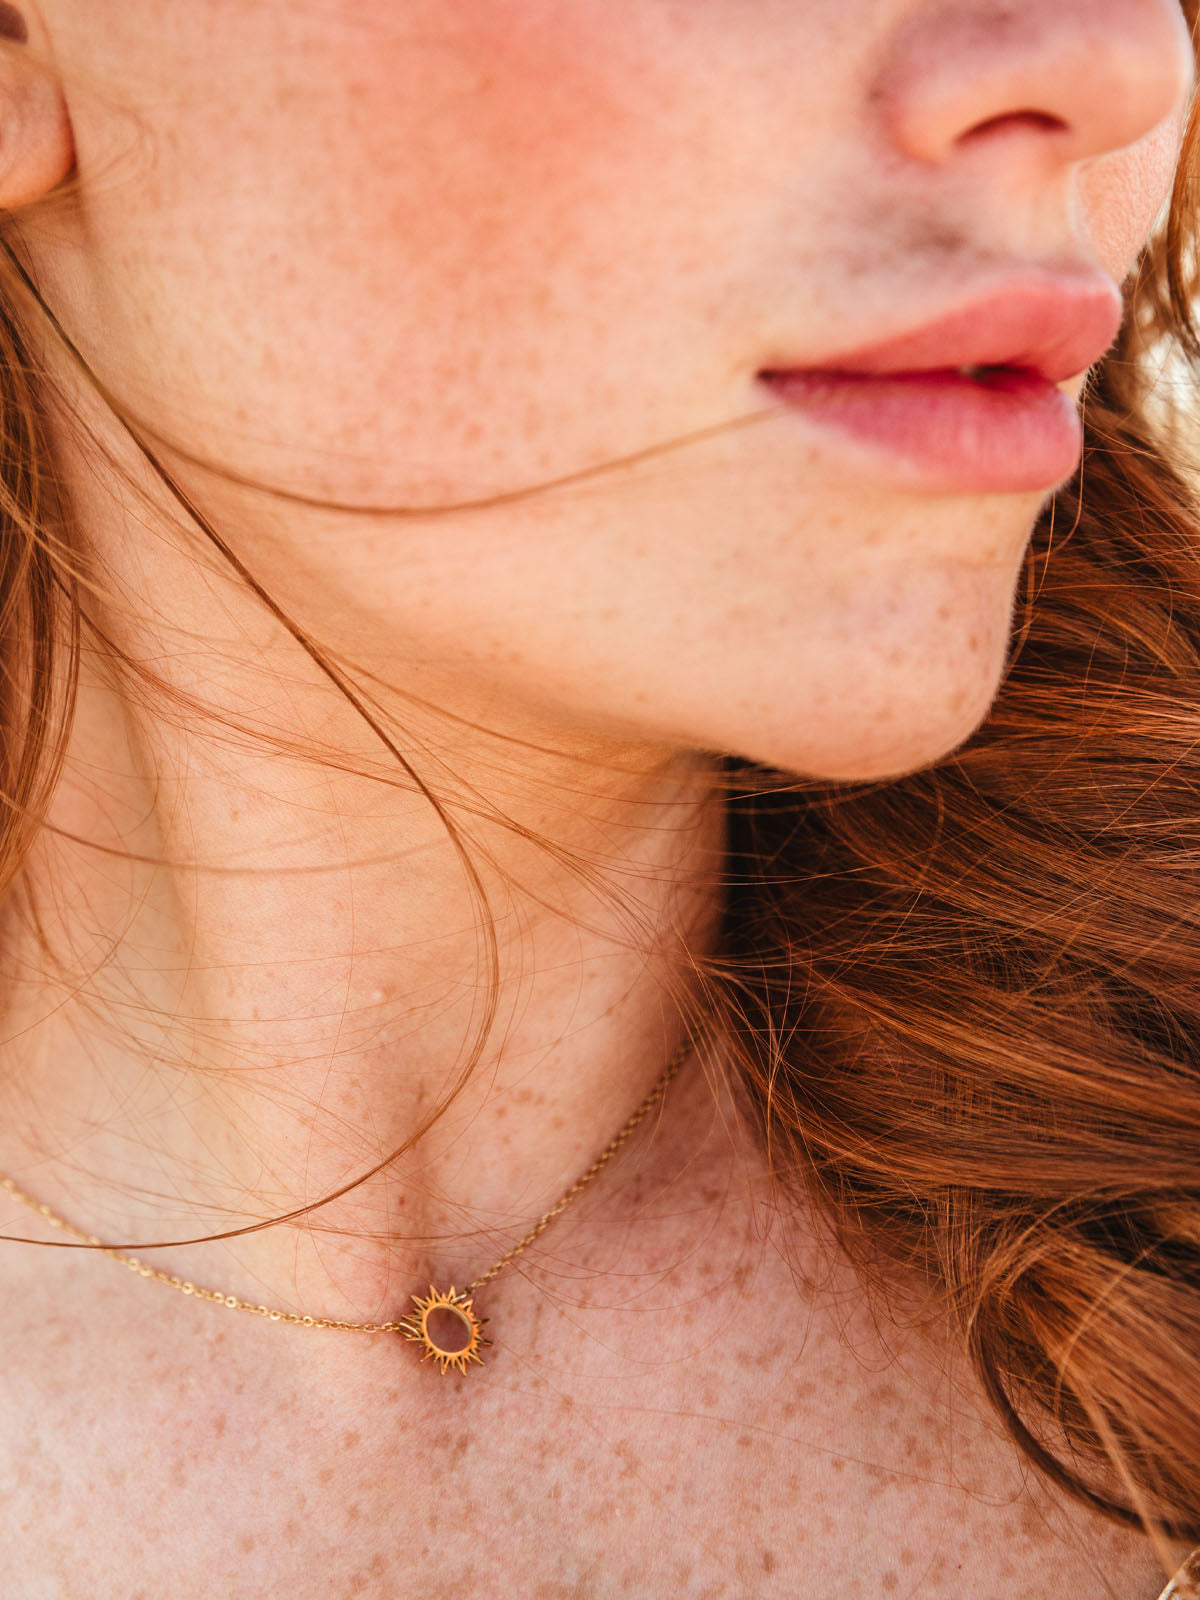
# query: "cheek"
x,y
1121,195
430,215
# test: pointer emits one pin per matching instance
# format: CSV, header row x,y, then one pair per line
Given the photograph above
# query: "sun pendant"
x,y
416,1326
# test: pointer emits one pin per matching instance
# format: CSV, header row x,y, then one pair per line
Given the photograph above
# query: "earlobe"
x,y
37,149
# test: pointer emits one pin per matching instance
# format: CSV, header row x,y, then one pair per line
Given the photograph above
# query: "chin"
x,y
877,725
883,762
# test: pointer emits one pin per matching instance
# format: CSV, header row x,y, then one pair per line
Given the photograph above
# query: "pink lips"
x,y
1004,430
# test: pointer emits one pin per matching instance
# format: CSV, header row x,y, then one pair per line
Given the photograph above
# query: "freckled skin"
x,y
468,254
635,1464
400,254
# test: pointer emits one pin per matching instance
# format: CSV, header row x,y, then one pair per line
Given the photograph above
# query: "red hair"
x,y
964,1006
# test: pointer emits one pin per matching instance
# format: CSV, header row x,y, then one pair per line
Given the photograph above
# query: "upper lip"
x,y
1053,325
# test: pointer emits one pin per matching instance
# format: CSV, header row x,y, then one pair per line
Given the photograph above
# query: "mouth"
x,y
969,403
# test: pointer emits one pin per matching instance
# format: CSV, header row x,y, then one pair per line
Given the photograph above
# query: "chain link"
x,y
233,1303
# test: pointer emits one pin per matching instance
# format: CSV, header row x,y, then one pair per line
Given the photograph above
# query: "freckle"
x,y
745,1439
350,1438
890,1582
769,1561
907,1557
246,1543
219,1422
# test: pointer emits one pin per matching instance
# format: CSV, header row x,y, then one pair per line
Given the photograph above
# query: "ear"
x,y
37,150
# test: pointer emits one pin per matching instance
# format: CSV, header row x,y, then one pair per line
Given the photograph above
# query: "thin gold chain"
x,y
233,1303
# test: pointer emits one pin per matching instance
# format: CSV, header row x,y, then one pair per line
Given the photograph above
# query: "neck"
x,y
269,952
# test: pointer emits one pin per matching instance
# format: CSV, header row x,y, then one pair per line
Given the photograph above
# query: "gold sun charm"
x,y
459,1306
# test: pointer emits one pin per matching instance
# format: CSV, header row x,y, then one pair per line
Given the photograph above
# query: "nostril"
x,y
1077,78
12,24
1034,121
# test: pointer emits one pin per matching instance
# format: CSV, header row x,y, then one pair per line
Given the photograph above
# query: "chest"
x,y
604,1452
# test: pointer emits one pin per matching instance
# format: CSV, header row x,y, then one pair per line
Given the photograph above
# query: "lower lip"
x,y
1008,432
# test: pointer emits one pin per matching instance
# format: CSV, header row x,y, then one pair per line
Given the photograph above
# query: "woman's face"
x,y
415,252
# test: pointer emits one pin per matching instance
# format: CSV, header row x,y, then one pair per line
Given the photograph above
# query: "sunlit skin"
x,y
428,252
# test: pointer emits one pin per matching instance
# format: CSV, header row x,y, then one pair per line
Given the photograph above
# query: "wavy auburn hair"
x,y
964,1006
968,1001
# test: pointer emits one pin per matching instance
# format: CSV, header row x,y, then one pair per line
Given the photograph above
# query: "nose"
x,y
1081,77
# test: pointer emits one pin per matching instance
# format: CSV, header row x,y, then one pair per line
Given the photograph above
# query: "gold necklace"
x,y
457,1304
